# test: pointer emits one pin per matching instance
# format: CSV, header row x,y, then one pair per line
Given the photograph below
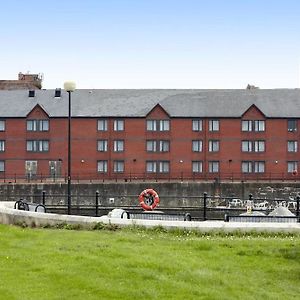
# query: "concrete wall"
x,y
171,194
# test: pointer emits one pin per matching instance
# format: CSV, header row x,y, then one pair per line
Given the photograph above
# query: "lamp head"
x,y
70,86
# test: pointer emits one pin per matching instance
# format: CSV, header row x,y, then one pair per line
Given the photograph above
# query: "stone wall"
x,y
171,194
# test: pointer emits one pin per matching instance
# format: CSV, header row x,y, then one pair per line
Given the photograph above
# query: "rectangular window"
x,y
163,167
246,125
2,169
197,146
259,146
102,145
292,125
259,125
102,125
158,125
214,125
292,166
247,166
118,166
246,146
151,146
213,166
2,125
259,167
37,146
2,146
37,125
151,166
102,166
164,146
151,125
213,146
197,125
292,146
118,125
197,166
118,146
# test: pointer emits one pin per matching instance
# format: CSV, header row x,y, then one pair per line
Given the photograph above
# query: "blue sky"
x,y
153,43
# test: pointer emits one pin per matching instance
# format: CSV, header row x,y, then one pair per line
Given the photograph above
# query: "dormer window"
x,y
57,93
31,93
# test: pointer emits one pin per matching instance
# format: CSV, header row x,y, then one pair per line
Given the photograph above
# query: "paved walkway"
x,y
9,215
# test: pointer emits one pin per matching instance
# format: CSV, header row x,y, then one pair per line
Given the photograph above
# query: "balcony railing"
x,y
156,177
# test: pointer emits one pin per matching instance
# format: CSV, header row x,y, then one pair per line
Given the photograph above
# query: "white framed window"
x,y
102,145
151,145
37,146
213,145
151,166
158,125
214,125
197,166
164,146
259,125
2,146
102,166
292,125
247,166
118,146
197,146
118,166
197,125
118,125
163,166
37,125
259,146
213,166
102,125
164,125
2,125
2,166
259,167
292,166
292,146
246,146
151,125
246,125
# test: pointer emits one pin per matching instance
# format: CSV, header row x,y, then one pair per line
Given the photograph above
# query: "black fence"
x,y
200,208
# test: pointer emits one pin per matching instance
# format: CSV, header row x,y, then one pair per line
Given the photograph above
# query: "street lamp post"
x,y
69,86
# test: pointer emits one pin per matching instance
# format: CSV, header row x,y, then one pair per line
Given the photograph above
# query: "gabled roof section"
x,y
159,109
38,106
253,109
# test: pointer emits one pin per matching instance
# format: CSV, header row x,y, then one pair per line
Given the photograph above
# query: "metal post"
x,y
69,155
97,203
298,204
43,197
204,205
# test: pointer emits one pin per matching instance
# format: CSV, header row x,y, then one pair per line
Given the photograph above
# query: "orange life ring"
x,y
148,199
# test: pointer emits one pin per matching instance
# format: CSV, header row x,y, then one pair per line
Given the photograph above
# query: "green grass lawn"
x,y
135,263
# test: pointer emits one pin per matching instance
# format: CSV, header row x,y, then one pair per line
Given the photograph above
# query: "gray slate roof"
x,y
276,103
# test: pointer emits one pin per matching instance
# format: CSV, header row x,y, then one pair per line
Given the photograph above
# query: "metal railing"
x,y
203,207
153,177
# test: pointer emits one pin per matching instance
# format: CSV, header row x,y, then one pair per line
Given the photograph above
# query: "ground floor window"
x,y
292,166
102,166
118,166
213,166
197,166
2,169
157,166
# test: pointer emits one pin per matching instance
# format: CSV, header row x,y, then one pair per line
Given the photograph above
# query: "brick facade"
x,y
229,162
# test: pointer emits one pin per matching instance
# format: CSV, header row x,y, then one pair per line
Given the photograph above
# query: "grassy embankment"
x,y
135,263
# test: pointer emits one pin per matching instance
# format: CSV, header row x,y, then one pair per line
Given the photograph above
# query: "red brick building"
x,y
25,81
137,134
